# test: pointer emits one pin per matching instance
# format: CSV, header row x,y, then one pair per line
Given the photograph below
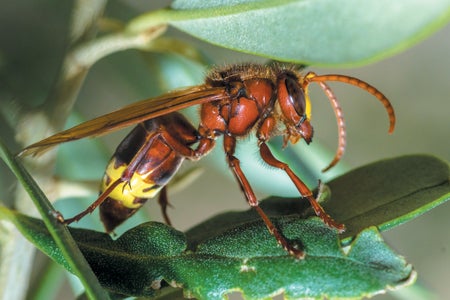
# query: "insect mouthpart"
x,y
301,130
305,129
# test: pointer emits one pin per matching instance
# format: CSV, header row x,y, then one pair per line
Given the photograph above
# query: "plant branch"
x,y
79,61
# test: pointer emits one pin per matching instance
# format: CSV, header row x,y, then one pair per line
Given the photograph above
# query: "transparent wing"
x,y
131,114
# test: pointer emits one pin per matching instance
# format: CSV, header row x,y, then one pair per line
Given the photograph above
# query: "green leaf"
x,y
390,192
63,243
245,258
319,32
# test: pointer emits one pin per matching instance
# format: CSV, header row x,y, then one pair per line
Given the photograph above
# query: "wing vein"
x,y
131,114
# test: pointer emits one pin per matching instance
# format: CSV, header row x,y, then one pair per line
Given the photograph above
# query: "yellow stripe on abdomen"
x,y
139,186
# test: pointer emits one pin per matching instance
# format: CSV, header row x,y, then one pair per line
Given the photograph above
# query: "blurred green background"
x,y
416,81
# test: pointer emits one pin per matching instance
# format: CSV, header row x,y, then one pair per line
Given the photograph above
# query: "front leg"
x,y
264,131
268,157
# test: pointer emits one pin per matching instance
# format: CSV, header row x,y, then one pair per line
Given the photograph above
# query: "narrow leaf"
x,y
52,228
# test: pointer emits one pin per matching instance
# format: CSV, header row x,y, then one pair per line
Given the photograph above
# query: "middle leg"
x,y
234,163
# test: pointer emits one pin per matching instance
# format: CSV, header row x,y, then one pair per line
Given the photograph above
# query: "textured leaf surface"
x,y
246,258
320,32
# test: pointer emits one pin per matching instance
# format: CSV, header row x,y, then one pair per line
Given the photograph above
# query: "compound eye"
x,y
296,95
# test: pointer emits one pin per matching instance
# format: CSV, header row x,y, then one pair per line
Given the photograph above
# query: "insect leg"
x,y
94,205
268,157
234,163
163,201
126,176
182,149
205,145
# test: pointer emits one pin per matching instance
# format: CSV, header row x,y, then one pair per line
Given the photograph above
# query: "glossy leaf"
x,y
319,32
390,192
